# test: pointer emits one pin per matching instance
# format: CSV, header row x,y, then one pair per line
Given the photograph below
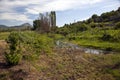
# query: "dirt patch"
x,y
3,46
3,43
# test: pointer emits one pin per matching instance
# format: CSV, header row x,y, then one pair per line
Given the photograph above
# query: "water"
x,y
61,44
93,51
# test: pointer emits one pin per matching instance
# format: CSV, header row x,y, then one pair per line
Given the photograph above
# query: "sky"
x,y
16,12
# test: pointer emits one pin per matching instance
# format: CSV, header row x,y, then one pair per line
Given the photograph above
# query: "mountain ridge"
x,y
24,24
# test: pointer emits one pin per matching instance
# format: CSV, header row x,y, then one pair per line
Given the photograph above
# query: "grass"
x,y
98,44
4,35
92,39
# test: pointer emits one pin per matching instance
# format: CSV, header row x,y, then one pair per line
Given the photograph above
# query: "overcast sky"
x,y
16,12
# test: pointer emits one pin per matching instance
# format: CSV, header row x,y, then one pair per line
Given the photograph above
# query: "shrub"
x,y
93,25
83,27
106,37
72,38
12,59
117,26
109,49
116,37
13,56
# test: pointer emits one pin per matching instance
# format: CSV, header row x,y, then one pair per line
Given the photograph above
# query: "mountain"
x,y
22,25
3,26
25,26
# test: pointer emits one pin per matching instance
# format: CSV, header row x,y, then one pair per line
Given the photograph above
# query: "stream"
x,y
71,46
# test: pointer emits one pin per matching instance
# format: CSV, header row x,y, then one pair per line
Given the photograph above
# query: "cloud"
x,y
60,5
14,16
112,4
31,7
36,6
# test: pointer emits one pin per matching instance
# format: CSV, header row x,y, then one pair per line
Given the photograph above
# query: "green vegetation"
x,y
27,44
97,38
117,26
14,56
4,35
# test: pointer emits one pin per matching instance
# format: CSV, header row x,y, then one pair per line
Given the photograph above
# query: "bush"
x,y
72,38
109,49
106,37
12,59
93,25
117,26
13,56
83,27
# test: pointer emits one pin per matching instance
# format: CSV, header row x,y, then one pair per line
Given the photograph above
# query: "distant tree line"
x,y
106,17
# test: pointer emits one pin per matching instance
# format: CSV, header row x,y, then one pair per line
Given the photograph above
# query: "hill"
x,y
25,26
108,19
3,26
101,32
113,16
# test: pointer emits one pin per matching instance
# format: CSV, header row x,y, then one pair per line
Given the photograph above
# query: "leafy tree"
x,y
94,16
89,20
36,24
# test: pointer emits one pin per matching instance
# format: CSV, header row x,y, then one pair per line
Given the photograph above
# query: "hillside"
x,y
101,32
107,19
113,16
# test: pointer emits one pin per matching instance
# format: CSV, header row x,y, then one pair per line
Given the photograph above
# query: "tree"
x,y
95,17
53,18
46,22
36,24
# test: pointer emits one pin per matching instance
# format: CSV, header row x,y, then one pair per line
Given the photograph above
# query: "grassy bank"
x,y
93,38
